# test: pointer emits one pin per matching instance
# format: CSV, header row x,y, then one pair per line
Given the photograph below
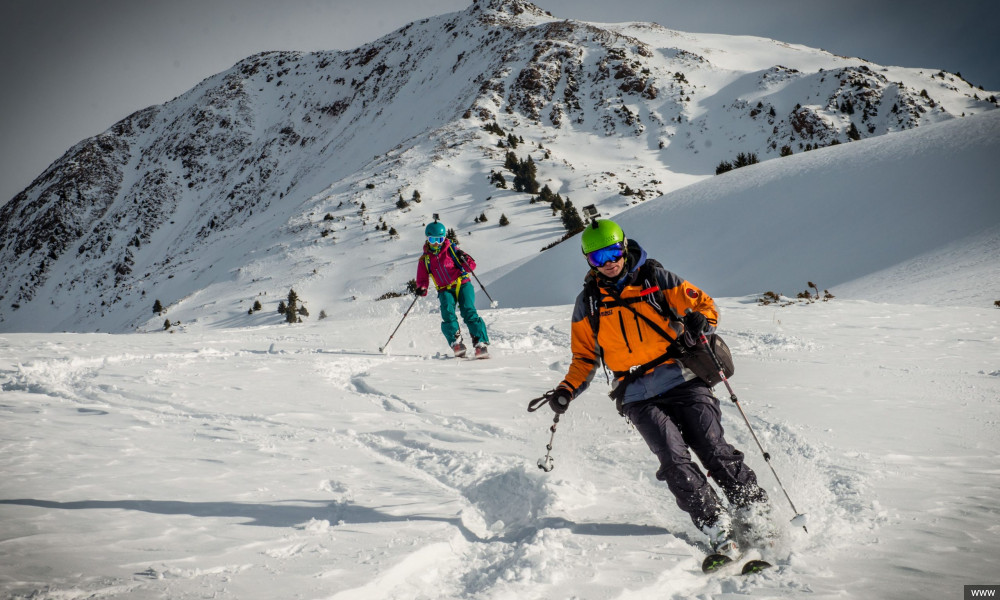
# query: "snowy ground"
x,y
299,462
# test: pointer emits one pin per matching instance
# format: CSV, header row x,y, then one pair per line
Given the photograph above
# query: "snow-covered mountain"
x,y
244,458
290,170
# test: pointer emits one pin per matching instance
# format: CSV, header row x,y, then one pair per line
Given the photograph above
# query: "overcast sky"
x,y
72,68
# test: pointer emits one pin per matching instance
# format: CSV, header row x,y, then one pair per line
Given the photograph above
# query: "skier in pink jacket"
x,y
449,267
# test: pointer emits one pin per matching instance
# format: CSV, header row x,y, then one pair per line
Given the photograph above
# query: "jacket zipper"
x,y
621,324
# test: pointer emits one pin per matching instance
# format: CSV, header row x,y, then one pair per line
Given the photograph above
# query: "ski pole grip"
x,y
541,401
702,338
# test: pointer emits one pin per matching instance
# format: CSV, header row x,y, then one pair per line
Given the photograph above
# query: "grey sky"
x,y
72,68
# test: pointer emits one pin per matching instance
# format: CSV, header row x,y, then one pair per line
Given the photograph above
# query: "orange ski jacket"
x,y
623,339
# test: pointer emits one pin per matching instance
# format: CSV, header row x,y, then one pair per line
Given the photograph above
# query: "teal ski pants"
x,y
466,300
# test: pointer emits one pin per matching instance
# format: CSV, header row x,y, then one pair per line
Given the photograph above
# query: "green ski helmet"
x,y
435,229
601,234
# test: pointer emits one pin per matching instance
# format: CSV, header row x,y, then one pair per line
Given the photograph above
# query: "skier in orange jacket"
x,y
629,315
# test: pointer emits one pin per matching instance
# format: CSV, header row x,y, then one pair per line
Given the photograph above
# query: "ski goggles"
x,y
601,257
435,240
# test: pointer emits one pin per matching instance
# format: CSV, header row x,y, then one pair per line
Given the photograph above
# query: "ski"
x,y
755,566
467,358
715,562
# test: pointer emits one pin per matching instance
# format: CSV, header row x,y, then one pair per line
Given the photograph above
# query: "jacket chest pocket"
x,y
629,327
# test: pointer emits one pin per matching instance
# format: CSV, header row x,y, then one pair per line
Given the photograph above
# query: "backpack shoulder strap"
x,y
592,300
654,294
592,296
456,255
427,266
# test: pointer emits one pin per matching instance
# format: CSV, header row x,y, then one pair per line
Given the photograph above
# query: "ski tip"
x,y
714,562
755,566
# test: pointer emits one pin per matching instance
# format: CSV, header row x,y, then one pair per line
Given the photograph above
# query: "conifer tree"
x,y
545,194
744,159
511,163
292,309
531,172
571,218
525,176
498,179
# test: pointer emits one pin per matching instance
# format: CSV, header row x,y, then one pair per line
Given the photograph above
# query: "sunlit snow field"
x,y
300,462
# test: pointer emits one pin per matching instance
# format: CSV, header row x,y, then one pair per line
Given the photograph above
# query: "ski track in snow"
x,y
364,475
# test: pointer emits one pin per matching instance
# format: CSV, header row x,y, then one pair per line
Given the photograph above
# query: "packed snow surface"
x,y
282,462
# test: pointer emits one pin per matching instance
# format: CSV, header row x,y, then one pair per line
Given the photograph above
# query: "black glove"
x,y
695,323
421,291
560,400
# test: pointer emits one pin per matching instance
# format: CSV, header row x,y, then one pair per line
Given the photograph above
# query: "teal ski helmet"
x,y
435,229
601,234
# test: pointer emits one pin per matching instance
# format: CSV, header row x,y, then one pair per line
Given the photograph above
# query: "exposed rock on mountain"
x,y
224,183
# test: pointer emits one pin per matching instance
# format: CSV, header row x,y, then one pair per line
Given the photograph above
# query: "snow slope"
x,y
280,461
298,462
883,209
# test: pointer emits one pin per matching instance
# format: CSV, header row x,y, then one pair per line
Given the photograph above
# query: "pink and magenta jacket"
x,y
444,266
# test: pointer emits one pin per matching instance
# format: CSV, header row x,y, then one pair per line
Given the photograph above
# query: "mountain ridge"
x,y
182,198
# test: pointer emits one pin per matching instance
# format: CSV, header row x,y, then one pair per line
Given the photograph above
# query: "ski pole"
x,y
493,303
799,517
545,463
382,348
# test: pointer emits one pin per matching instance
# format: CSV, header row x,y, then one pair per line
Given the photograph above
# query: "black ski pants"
x,y
688,417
